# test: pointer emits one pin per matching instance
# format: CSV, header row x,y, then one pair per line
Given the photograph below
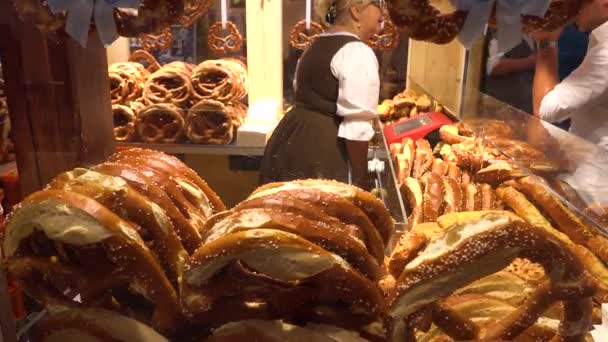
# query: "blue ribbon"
x,y
508,19
79,13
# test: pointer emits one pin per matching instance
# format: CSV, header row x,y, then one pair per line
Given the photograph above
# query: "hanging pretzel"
x,y
476,244
143,57
194,9
300,36
224,39
386,39
161,41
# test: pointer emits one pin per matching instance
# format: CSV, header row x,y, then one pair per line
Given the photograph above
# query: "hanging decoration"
x,y
160,42
305,31
387,39
193,10
224,36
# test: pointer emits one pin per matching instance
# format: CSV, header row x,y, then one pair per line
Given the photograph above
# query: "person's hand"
x,y
543,35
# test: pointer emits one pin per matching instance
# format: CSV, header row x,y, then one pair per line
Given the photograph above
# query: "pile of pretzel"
x,y
152,16
7,152
178,100
406,104
421,20
462,182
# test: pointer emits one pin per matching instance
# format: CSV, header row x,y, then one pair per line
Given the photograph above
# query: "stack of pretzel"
x,y
462,184
406,104
219,86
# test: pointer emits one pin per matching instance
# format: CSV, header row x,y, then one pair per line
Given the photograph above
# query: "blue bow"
x,y
79,14
508,19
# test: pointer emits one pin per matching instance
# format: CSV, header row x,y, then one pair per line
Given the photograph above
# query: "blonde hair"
x,y
321,8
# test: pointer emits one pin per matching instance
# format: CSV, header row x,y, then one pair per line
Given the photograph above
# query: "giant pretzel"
x,y
301,36
219,42
476,244
422,21
160,123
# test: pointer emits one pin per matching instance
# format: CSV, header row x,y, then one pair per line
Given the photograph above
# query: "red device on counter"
x,y
415,128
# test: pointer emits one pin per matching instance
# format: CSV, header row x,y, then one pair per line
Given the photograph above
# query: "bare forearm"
x,y
357,155
510,65
546,76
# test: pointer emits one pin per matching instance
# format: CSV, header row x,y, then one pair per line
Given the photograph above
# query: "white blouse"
x,y
356,67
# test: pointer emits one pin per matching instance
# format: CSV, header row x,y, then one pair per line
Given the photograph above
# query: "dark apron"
x,y
305,144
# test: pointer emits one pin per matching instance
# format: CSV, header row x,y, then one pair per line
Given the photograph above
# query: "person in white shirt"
x,y
337,85
583,95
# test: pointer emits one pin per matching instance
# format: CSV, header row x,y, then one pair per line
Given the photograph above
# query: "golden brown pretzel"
x,y
144,56
224,39
126,81
385,40
94,252
159,41
194,9
211,122
124,123
452,135
478,244
170,84
485,128
152,16
160,123
300,36
223,80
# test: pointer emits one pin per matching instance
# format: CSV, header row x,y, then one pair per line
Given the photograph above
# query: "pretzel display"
x,y
223,80
385,40
196,189
126,81
143,57
368,203
160,123
150,17
170,85
224,37
302,36
481,243
160,41
124,123
193,10
422,21
281,275
61,243
317,204
211,122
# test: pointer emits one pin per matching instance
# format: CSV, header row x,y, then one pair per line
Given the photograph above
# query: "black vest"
x,y
316,86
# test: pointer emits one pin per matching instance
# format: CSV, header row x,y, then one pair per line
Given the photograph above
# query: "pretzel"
x,y
433,196
301,37
193,10
170,84
331,235
485,128
211,122
144,56
453,196
385,40
124,123
498,173
411,191
160,123
114,193
302,280
481,243
451,135
151,16
91,252
187,232
368,203
223,39
422,21
161,41
197,190
72,323
518,150
222,80
126,81
423,158
439,167
316,204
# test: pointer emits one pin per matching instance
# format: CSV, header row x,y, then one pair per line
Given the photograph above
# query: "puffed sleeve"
x,y
356,67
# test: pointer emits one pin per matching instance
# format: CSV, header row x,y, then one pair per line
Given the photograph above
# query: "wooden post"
x,y
58,98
